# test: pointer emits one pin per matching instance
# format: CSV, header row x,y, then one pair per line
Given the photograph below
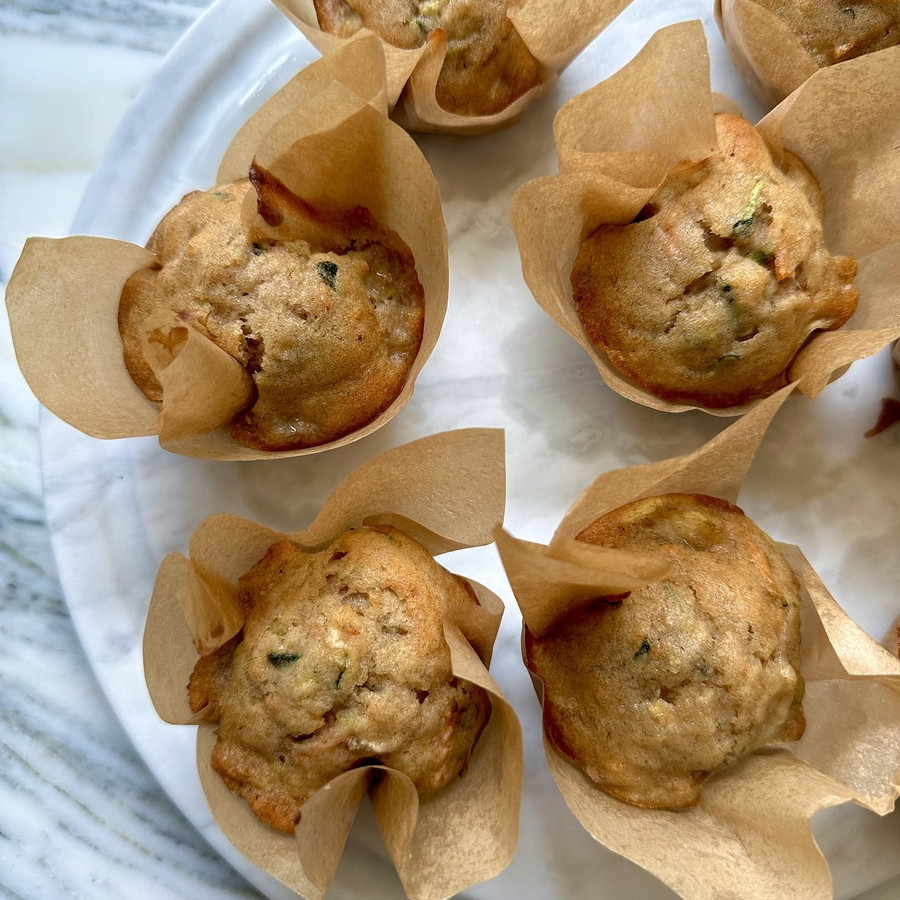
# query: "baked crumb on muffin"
x,y
327,319
708,295
652,693
487,64
341,662
832,31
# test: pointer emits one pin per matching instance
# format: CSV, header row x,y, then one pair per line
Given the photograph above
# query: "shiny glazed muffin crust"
x,y
709,294
487,64
327,321
342,661
653,693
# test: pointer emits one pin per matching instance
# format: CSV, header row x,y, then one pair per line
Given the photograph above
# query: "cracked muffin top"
x,y
652,693
832,31
327,320
487,64
707,296
342,661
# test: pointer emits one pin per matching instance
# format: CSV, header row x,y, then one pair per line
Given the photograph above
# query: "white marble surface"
x,y
80,816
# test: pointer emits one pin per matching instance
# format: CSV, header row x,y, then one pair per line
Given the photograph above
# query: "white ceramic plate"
x,y
116,508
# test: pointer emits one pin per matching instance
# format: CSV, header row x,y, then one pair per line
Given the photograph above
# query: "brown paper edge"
x,y
203,390
764,50
223,547
891,639
840,112
781,859
352,68
544,583
552,215
482,804
448,491
400,63
71,362
271,850
854,678
554,32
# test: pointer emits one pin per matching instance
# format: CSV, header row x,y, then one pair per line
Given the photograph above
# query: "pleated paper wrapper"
x,y
448,492
769,56
750,834
617,140
554,31
327,138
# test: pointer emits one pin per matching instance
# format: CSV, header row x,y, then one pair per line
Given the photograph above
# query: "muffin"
x,y
487,64
653,692
323,310
341,662
708,295
833,31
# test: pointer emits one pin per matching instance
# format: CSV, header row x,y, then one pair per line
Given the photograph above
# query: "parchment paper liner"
x,y
616,141
555,32
891,639
765,51
448,491
327,137
749,836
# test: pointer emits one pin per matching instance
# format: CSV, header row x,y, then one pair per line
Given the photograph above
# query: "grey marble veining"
x,y
80,815
141,24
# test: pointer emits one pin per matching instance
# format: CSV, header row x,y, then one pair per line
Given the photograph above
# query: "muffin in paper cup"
x,y
320,151
448,492
546,38
774,60
618,142
749,835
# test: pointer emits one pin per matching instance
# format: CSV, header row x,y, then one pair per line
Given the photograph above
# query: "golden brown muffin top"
x,y
487,64
652,694
832,31
327,321
709,294
342,661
